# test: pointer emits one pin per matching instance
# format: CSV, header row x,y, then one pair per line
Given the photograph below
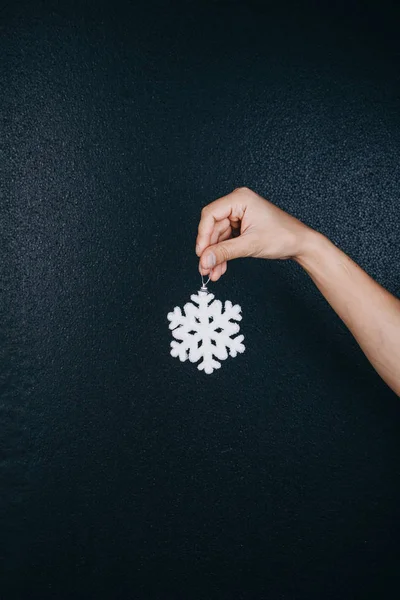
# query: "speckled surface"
x,y
125,473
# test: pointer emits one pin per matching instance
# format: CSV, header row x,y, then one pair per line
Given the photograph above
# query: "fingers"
x,y
218,271
221,231
224,236
216,237
215,273
224,210
221,220
229,249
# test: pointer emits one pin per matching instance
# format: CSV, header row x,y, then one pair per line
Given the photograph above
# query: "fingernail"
x,y
210,260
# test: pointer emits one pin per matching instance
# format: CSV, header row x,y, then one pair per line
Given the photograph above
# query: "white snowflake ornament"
x,y
204,331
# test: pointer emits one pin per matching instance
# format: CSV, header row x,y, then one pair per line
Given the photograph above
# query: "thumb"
x,y
224,251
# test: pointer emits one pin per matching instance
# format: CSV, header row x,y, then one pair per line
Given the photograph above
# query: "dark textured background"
x,y
125,473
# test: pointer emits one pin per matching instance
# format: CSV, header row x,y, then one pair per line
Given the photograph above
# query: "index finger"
x,y
210,215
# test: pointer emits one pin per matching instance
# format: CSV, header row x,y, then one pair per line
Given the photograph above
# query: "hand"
x,y
259,229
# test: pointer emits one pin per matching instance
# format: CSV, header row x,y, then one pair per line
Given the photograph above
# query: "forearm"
x,y
370,312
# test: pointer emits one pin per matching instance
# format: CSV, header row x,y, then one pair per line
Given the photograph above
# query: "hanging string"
x,y
204,285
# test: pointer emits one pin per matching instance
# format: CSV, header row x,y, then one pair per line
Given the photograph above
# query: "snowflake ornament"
x,y
204,331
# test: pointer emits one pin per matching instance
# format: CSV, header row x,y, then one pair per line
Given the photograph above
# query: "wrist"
x,y
313,246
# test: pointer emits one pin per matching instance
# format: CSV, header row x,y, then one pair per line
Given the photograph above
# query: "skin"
x,y
243,224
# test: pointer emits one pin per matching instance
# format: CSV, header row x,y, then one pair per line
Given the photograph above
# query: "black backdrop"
x,y
124,472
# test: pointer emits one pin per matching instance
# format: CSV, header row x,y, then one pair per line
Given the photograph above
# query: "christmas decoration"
x,y
205,330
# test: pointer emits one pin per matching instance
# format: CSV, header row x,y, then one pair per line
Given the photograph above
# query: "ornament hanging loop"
x,y
204,285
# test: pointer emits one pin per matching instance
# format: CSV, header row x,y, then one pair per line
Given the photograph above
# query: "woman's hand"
x,y
245,224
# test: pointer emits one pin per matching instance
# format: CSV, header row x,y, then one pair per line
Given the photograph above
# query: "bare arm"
x,y
370,312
